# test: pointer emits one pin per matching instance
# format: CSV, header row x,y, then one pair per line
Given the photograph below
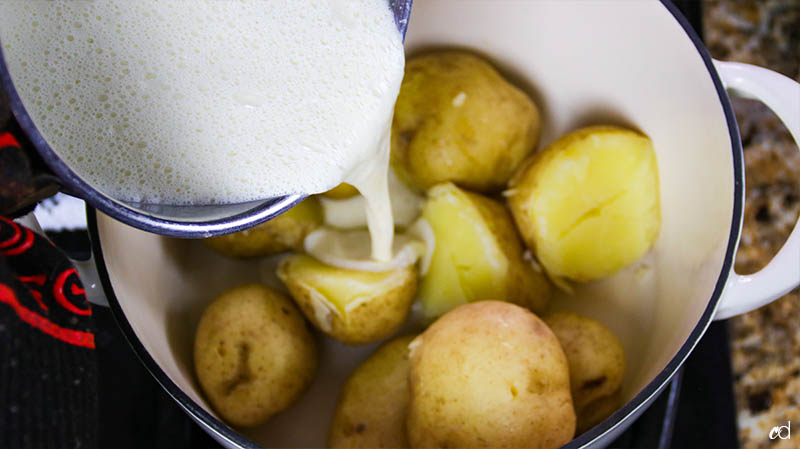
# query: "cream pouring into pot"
x,y
150,126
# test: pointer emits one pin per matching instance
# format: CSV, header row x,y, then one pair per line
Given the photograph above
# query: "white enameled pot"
x,y
636,64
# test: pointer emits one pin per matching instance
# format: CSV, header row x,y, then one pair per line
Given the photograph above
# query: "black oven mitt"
x,y
48,368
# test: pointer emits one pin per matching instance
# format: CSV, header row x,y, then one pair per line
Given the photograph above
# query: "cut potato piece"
x,y
457,119
588,205
477,255
374,402
283,233
352,306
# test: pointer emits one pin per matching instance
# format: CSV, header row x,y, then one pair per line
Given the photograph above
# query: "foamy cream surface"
x,y
203,101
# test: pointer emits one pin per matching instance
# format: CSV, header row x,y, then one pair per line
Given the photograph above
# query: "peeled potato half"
x,y
477,254
352,306
588,205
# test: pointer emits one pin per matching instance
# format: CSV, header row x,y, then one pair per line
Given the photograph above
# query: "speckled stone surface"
x,y
766,342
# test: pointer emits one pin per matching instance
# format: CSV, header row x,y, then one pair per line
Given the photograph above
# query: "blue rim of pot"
x,y
631,408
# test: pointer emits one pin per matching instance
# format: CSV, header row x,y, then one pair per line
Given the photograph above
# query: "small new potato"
x,y
596,363
283,233
341,192
374,402
588,205
489,374
477,255
352,306
457,119
253,354
596,411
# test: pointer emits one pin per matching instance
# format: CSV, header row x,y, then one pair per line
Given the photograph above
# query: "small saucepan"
x,y
186,221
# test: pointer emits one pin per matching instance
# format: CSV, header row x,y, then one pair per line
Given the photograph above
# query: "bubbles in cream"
x,y
207,101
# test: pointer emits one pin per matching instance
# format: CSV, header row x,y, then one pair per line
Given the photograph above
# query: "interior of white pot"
x,y
617,62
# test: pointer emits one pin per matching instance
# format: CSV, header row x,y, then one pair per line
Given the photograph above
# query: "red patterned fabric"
x,y
48,378
45,291
48,366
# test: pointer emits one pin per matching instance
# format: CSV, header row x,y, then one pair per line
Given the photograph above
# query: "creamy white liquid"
x,y
371,178
212,101
349,213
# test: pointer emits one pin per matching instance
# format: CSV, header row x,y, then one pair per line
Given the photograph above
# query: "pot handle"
x,y
87,269
782,274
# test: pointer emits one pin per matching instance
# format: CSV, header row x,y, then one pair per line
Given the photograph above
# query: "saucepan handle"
x,y
87,269
782,274
27,180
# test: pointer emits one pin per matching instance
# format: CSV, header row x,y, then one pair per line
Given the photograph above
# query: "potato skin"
x,y
524,286
456,119
341,192
588,204
369,321
283,233
596,363
596,411
253,354
374,403
489,374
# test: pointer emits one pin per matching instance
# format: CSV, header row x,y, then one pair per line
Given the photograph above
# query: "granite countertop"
x,y
765,343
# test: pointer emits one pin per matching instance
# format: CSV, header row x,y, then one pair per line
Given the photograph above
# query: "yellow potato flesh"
x,y
467,262
340,287
590,202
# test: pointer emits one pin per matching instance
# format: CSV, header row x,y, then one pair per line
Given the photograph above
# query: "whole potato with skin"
x,y
588,205
596,411
352,306
341,192
253,354
283,233
374,402
489,374
457,119
596,360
